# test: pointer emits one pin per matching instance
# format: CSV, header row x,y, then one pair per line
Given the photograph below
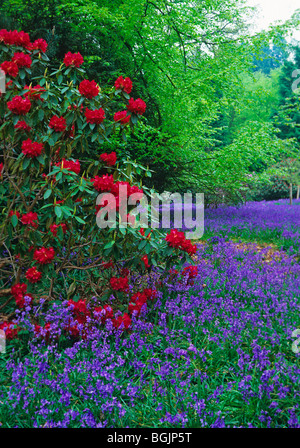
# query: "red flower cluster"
x,y
19,38
22,60
139,300
122,117
119,283
79,308
89,89
22,126
34,93
32,149
10,330
1,168
192,272
38,44
58,124
14,212
28,219
74,59
104,313
10,68
177,240
22,39
137,107
122,322
33,275
104,183
109,159
44,255
94,116
123,84
55,227
81,313
19,293
19,106
43,332
70,165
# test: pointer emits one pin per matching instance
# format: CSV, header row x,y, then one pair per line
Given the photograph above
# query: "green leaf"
x,y
26,163
58,211
79,220
47,193
14,220
110,244
41,114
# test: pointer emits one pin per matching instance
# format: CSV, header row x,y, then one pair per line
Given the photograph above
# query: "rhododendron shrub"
x,y
52,169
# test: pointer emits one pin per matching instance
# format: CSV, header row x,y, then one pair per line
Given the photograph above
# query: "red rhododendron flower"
x,y
19,38
19,289
22,60
123,84
108,265
22,126
58,124
10,68
138,297
104,183
43,332
89,89
34,93
32,149
55,227
109,159
38,44
1,168
104,313
79,308
22,301
14,212
175,238
29,219
122,117
44,255
3,36
150,293
70,165
119,284
19,106
123,321
188,247
137,307
137,106
22,39
192,271
94,116
10,330
73,59
33,275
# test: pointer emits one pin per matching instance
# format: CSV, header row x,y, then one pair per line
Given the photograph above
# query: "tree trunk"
x,y
291,194
298,192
